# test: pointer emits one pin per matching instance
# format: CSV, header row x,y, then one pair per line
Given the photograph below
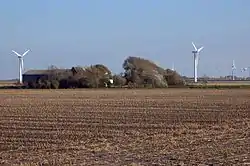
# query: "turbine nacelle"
x,y
196,50
233,66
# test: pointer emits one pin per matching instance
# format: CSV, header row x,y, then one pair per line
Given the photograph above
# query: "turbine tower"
x,y
20,59
196,53
233,69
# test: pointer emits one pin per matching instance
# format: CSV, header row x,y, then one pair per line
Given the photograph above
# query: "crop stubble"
x,y
124,127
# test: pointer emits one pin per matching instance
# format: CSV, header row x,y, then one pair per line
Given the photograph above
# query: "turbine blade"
x,y
194,46
16,53
200,49
25,52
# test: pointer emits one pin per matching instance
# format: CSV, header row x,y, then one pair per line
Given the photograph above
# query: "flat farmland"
x,y
228,82
125,127
7,83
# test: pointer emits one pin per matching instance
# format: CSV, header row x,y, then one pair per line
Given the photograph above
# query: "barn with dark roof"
x,y
34,75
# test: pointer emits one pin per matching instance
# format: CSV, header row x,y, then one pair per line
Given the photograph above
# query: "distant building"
x,y
34,75
79,70
95,70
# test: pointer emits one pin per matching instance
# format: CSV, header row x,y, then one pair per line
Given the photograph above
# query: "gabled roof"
x,y
78,69
36,72
42,72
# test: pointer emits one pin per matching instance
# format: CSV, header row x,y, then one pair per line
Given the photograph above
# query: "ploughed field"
x,y
125,127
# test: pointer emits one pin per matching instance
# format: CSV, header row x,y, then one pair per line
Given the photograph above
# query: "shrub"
x,y
139,71
173,78
104,82
84,83
32,85
63,83
47,84
72,82
54,84
119,80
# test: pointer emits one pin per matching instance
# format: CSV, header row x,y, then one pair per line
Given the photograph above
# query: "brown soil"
x,y
125,127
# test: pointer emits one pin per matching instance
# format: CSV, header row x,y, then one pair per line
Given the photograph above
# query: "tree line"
x,y
138,73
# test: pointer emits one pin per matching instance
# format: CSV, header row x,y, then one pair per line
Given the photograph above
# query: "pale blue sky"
x,y
67,33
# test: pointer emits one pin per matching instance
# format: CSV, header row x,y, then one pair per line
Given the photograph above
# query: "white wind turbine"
x,y
20,58
233,69
245,69
173,68
196,53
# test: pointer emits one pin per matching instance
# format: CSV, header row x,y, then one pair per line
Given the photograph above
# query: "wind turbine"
x,y
173,69
246,69
196,53
20,58
233,69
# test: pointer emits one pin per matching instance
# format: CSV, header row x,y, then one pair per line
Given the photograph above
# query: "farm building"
x,y
34,75
97,69
92,72
78,70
